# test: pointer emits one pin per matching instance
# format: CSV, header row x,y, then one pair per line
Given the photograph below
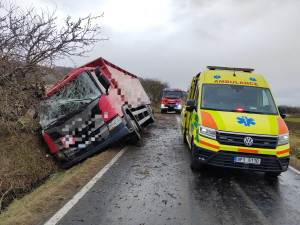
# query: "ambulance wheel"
x,y
184,138
273,174
195,165
135,135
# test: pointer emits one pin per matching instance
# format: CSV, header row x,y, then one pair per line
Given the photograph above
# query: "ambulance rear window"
x,y
238,98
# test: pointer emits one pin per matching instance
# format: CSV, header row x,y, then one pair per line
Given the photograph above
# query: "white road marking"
x,y
295,170
63,211
178,119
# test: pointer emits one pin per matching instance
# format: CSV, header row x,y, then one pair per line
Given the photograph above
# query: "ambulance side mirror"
x,y
190,105
282,111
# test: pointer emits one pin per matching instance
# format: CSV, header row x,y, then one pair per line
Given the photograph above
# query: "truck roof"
x,y
234,76
64,81
102,63
170,89
127,84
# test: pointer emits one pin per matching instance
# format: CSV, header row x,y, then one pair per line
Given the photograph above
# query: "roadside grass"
x,y
156,110
294,131
292,119
41,203
23,160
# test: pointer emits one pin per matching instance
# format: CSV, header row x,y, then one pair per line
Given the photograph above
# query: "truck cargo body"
x,y
83,114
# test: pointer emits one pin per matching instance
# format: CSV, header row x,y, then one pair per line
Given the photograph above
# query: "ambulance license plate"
x,y
245,160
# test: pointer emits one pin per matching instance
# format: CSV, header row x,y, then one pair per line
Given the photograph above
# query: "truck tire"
x,y
195,165
135,135
151,114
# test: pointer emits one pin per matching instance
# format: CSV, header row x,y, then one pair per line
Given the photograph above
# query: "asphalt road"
x,y
152,183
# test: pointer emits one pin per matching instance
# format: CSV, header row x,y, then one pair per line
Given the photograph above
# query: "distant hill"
x,y
56,73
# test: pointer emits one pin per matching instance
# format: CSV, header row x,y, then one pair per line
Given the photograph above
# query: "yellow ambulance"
x,y
231,120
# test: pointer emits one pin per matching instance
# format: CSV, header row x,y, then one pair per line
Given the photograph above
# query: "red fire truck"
x,y
92,107
172,100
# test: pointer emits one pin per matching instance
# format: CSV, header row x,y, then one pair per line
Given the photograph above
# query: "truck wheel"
x,y
273,174
135,135
151,114
162,111
195,165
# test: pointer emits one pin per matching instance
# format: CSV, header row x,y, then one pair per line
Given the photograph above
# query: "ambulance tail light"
x,y
239,109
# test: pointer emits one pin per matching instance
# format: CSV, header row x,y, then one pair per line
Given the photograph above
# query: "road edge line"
x,y
295,170
69,205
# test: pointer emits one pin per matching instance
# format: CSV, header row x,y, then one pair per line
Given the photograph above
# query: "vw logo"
x,y
248,141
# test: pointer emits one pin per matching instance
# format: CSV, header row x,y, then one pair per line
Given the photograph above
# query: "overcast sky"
x,y
173,40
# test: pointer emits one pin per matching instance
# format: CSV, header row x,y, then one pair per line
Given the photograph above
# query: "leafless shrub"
x,y
153,88
30,42
292,110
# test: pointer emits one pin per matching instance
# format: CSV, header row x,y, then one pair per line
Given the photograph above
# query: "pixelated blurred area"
x,y
91,108
129,88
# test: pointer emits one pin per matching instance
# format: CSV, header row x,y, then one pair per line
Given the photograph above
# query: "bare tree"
x,y
30,42
153,88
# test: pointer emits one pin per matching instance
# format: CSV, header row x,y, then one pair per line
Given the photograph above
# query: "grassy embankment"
x,y
45,200
27,167
23,159
156,110
293,124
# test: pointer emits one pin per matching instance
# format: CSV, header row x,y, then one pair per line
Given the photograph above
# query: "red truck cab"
x,y
172,100
92,107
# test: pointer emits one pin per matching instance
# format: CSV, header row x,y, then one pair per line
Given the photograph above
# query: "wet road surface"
x,y
152,183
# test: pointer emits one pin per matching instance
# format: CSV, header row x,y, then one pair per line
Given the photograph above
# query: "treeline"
x,y
56,73
153,88
292,110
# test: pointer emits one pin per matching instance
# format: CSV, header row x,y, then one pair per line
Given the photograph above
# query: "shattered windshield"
x,y
237,98
172,94
71,97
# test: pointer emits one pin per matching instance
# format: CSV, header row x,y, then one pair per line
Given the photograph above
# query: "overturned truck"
x,y
92,107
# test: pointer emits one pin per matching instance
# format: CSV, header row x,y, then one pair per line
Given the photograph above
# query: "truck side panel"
x,y
127,85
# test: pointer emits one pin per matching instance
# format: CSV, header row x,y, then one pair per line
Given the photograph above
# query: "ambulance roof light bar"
x,y
230,68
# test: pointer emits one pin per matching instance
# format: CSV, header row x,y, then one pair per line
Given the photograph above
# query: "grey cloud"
x,y
259,34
